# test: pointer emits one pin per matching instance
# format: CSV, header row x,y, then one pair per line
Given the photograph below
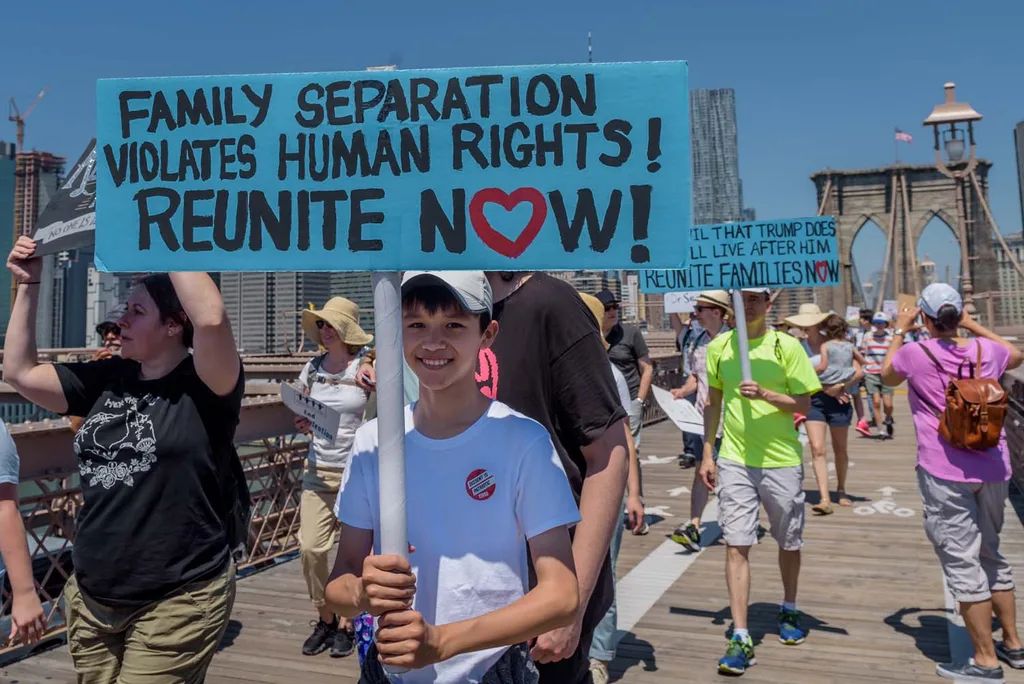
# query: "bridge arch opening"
x,y
938,253
868,259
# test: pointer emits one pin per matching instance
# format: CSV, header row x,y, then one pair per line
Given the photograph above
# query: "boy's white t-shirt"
x,y
339,391
472,502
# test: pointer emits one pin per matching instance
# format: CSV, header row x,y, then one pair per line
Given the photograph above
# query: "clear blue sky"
x,y
818,84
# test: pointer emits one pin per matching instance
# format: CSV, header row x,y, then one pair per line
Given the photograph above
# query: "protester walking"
x,y
839,368
963,467
602,650
710,309
873,346
28,621
485,490
689,335
627,349
164,495
549,364
330,378
760,463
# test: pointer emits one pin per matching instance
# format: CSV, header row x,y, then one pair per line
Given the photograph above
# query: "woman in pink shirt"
x,y
963,491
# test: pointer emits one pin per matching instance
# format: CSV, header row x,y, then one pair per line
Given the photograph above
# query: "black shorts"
x,y
829,410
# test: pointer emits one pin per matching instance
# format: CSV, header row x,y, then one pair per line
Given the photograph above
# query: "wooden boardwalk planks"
x,y
871,590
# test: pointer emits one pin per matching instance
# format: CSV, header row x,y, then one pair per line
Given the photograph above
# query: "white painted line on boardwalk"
x,y
960,647
640,589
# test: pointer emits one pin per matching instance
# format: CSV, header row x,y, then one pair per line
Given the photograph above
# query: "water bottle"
x,y
363,626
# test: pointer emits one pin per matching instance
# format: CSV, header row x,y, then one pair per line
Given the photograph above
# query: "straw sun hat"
x,y
808,316
342,315
597,309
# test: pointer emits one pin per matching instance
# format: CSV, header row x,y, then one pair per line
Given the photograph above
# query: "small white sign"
x,y
679,411
324,419
852,313
891,307
680,302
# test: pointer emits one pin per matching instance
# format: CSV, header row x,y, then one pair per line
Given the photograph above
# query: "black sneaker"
x,y
688,536
1012,657
970,672
321,638
889,426
344,644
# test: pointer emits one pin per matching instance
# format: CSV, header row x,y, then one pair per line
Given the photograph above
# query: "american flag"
x,y
905,137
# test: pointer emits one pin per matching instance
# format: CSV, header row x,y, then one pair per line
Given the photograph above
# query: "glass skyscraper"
x,y
715,151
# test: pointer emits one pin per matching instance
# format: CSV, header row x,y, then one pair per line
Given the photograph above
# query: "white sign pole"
x,y
387,313
387,316
741,333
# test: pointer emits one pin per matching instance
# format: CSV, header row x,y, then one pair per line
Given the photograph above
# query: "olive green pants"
x,y
171,641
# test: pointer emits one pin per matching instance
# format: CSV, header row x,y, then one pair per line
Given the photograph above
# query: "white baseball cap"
x,y
938,295
471,288
880,317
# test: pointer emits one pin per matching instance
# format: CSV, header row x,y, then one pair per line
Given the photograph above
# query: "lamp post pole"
x,y
952,113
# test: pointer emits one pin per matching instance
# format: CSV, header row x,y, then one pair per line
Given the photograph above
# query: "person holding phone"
x,y
331,379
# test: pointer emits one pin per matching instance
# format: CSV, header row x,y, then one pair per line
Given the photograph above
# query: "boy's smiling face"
x,y
442,347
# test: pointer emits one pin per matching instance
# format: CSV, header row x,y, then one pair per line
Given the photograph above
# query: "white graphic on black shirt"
x,y
116,443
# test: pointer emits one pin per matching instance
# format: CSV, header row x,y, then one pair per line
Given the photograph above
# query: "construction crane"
x,y
13,114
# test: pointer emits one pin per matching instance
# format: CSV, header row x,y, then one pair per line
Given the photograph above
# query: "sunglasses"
x,y
320,324
611,307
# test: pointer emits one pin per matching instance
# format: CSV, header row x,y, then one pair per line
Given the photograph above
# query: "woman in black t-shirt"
x,y
154,580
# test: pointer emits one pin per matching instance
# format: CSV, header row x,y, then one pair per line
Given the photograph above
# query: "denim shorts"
x,y
829,410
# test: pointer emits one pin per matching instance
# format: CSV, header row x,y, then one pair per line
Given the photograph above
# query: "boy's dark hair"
x,y
161,290
947,319
867,314
834,327
107,327
435,298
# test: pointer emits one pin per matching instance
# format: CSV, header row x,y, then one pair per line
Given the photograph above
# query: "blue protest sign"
x,y
508,168
787,253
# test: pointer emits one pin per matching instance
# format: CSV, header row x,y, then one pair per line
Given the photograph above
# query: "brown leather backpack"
x,y
975,407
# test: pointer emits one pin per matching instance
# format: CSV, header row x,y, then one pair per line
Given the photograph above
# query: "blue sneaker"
x,y
790,631
738,657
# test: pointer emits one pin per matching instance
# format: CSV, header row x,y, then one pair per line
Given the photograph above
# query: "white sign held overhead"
x,y
323,418
681,412
680,302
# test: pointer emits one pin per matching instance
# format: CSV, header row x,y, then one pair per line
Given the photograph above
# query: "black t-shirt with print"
x,y
156,470
548,363
627,347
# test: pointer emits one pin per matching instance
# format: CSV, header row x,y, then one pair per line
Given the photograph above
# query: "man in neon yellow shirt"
x,y
760,462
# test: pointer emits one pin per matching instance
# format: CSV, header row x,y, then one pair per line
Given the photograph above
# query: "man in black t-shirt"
x,y
548,363
628,351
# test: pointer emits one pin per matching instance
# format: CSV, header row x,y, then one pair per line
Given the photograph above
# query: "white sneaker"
x,y
598,671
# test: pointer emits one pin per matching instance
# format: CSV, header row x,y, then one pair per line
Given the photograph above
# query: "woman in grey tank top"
x,y
839,366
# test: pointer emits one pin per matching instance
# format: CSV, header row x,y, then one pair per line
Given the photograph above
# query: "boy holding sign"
x,y
487,487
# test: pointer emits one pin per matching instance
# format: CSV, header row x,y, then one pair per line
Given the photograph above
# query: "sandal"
x,y
822,508
844,500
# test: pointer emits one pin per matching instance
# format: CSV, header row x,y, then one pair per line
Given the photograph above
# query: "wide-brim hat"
x,y
719,298
342,315
807,316
597,309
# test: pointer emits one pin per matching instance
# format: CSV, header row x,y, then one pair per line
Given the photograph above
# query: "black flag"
x,y
69,220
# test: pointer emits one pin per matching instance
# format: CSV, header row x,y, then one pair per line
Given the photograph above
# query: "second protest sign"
x,y
512,168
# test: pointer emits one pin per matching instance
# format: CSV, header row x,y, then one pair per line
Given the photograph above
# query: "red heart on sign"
x,y
821,268
492,238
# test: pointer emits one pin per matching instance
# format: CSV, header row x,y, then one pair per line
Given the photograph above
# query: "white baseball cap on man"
x,y
471,288
938,295
880,317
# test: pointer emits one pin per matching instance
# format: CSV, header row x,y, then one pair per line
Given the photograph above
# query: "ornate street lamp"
x,y
954,115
